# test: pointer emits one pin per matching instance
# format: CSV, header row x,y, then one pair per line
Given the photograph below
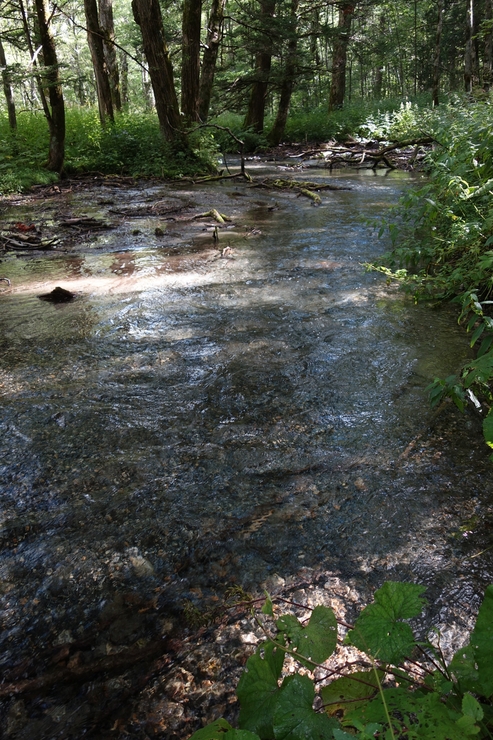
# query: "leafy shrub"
x,y
388,696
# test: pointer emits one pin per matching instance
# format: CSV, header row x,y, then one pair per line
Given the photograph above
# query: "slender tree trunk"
x,y
95,41
256,107
435,85
124,78
339,57
488,48
288,79
56,117
7,90
209,56
147,14
469,51
36,81
190,54
110,55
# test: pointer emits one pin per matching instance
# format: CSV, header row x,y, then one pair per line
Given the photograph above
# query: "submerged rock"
x,y
58,295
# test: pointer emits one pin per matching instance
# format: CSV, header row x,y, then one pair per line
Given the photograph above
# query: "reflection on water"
x,y
229,418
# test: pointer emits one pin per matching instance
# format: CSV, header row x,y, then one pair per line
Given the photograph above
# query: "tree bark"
x,y
95,41
7,90
288,79
147,14
256,107
190,64
339,56
435,85
110,55
55,117
488,48
124,78
209,56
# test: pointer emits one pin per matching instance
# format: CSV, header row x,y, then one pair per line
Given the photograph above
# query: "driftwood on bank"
x,y
361,154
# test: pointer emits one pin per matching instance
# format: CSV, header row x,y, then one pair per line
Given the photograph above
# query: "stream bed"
x,y
213,413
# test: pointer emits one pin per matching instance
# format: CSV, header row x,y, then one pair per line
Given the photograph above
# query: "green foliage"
x,y
132,146
393,699
380,631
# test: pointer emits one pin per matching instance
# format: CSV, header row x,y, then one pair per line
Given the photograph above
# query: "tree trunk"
x,y
256,107
469,50
488,48
56,117
7,89
147,14
190,64
339,56
435,85
110,56
209,57
95,41
124,78
288,79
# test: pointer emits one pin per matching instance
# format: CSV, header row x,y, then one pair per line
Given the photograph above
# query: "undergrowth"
x,y
397,687
442,242
132,146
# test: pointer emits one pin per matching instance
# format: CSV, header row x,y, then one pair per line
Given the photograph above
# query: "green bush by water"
x,y
442,241
401,688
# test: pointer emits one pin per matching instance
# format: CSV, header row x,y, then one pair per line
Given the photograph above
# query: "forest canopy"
x,y
253,66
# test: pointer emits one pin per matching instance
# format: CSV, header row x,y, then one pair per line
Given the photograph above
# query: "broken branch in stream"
x,y
221,218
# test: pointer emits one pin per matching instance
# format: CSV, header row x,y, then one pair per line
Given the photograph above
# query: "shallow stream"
x,y
196,419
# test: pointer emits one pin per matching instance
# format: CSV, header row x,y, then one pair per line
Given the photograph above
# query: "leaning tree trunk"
x,y
288,79
147,14
209,56
339,56
190,65
56,117
95,41
7,90
435,85
256,107
110,56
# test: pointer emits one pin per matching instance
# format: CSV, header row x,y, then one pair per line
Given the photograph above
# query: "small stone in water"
x,y
58,295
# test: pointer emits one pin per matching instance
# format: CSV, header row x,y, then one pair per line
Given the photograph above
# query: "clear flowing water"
x,y
192,421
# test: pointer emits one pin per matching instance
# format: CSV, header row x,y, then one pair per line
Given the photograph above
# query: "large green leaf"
x,y
415,715
222,730
463,667
488,428
378,630
317,641
342,695
482,643
258,688
295,718
215,731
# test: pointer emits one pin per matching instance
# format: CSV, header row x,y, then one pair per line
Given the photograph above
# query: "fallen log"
x,y
81,673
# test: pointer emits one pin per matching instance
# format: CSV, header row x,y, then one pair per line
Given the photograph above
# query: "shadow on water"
x,y
191,422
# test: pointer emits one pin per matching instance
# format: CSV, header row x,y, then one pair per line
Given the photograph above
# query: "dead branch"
x,y
77,673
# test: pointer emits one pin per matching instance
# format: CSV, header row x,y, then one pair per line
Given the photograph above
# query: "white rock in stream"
x,y
142,567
